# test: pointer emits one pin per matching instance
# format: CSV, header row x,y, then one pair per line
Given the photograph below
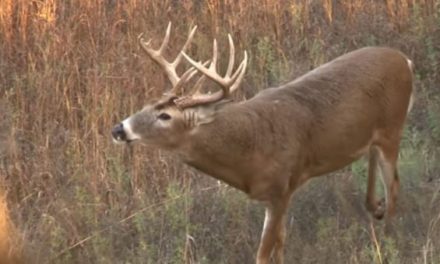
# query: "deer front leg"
x,y
274,233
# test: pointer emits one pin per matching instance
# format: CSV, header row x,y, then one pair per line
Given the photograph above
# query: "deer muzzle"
x,y
123,132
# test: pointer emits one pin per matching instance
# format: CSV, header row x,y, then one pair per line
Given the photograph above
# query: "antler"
x,y
229,83
170,67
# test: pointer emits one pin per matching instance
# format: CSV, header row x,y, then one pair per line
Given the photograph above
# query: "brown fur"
x,y
271,144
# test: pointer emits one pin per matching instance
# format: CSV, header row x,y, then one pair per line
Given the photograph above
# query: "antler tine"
x,y
188,41
229,83
199,84
191,72
207,71
210,72
213,66
169,67
166,39
157,56
231,56
241,70
183,79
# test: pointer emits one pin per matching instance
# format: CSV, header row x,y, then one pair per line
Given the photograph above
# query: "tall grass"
x,y
10,239
70,69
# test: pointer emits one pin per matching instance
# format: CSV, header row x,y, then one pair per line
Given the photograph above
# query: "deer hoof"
x,y
380,209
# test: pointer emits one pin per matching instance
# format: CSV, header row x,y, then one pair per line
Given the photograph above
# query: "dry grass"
x,y
70,69
10,242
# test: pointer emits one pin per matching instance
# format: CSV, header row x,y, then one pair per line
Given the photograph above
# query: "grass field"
x,y
71,69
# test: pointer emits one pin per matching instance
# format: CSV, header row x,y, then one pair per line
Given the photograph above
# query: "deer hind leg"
x,y
376,208
384,155
390,177
274,233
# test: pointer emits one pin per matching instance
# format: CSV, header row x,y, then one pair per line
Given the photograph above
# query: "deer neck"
x,y
229,149
214,148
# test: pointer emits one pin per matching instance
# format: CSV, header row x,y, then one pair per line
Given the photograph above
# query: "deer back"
x,y
317,123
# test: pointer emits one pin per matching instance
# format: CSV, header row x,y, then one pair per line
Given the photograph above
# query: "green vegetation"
x,y
71,69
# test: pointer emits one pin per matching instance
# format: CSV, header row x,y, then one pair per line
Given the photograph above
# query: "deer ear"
x,y
206,114
194,117
205,118
221,104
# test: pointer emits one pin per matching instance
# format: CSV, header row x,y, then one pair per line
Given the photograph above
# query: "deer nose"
x,y
118,132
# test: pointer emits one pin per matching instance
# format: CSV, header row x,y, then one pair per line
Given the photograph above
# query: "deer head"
x,y
168,120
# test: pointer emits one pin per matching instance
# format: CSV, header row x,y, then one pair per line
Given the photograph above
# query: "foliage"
x,y
70,69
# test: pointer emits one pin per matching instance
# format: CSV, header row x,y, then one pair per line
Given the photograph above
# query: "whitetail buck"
x,y
272,143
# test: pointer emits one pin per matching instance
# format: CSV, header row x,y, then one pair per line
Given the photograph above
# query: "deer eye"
x,y
164,116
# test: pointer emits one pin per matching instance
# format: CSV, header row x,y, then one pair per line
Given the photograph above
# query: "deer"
x,y
269,145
